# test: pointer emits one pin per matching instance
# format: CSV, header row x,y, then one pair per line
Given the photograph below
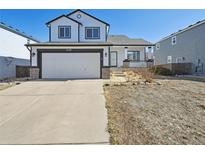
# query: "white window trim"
x,y
92,28
64,37
169,59
180,59
134,52
157,46
174,37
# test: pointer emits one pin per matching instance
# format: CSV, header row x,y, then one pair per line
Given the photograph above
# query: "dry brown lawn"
x,y
4,86
170,113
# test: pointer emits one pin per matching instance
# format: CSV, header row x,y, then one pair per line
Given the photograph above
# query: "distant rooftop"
x,y
16,31
125,40
183,30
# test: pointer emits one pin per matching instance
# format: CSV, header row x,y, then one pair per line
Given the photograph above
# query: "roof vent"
x,y
190,25
180,30
198,22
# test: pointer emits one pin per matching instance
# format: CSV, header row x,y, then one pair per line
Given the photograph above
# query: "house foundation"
x,y
106,73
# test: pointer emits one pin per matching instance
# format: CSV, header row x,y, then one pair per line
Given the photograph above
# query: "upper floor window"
x,y
157,46
64,32
174,40
133,55
92,32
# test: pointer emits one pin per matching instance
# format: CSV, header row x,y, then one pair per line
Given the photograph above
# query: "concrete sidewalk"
x,y
54,112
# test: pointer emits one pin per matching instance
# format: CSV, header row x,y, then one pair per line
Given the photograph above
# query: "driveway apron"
x,y
54,112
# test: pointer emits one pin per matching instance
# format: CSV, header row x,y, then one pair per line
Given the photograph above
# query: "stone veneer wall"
x,y
106,73
34,73
123,69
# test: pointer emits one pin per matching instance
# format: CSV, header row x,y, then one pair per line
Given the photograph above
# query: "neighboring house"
x,y
12,50
79,47
185,46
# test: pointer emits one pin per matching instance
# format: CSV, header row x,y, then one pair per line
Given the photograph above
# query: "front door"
x,y
113,62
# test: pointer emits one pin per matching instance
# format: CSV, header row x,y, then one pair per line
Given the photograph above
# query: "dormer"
x,y
77,26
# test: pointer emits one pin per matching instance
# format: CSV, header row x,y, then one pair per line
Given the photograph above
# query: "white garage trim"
x,y
70,65
43,53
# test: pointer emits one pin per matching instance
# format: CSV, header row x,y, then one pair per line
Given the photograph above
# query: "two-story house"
x,y
184,46
79,47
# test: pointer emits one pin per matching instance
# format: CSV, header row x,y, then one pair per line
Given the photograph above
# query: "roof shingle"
x,y
124,40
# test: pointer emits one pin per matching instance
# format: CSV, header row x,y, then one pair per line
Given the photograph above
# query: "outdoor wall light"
x,y
33,54
106,54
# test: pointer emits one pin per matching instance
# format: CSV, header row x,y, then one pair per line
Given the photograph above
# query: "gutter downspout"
x,y
78,33
108,30
30,50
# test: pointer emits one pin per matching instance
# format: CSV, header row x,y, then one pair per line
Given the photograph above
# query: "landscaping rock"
x,y
172,113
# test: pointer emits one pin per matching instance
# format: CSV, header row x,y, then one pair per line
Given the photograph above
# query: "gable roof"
x,y
124,40
88,15
61,17
16,31
198,23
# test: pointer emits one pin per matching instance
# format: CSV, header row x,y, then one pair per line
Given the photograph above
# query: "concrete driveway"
x,y
54,112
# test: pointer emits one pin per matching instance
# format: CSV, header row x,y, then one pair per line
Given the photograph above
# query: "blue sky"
x,y
151,25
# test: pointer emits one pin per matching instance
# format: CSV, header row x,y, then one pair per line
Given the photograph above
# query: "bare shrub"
x,y
161,71
130,73
146,74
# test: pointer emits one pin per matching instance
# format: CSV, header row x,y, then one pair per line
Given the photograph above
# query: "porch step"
x,y
118,74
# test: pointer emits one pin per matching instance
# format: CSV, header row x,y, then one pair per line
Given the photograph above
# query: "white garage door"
x,y
70,65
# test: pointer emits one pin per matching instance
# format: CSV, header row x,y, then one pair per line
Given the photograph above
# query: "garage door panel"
x,y
70,65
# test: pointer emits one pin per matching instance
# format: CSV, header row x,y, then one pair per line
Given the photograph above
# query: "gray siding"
x,y
8,66
190,45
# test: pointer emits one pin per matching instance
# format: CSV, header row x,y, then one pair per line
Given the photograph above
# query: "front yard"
x,y
172,112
